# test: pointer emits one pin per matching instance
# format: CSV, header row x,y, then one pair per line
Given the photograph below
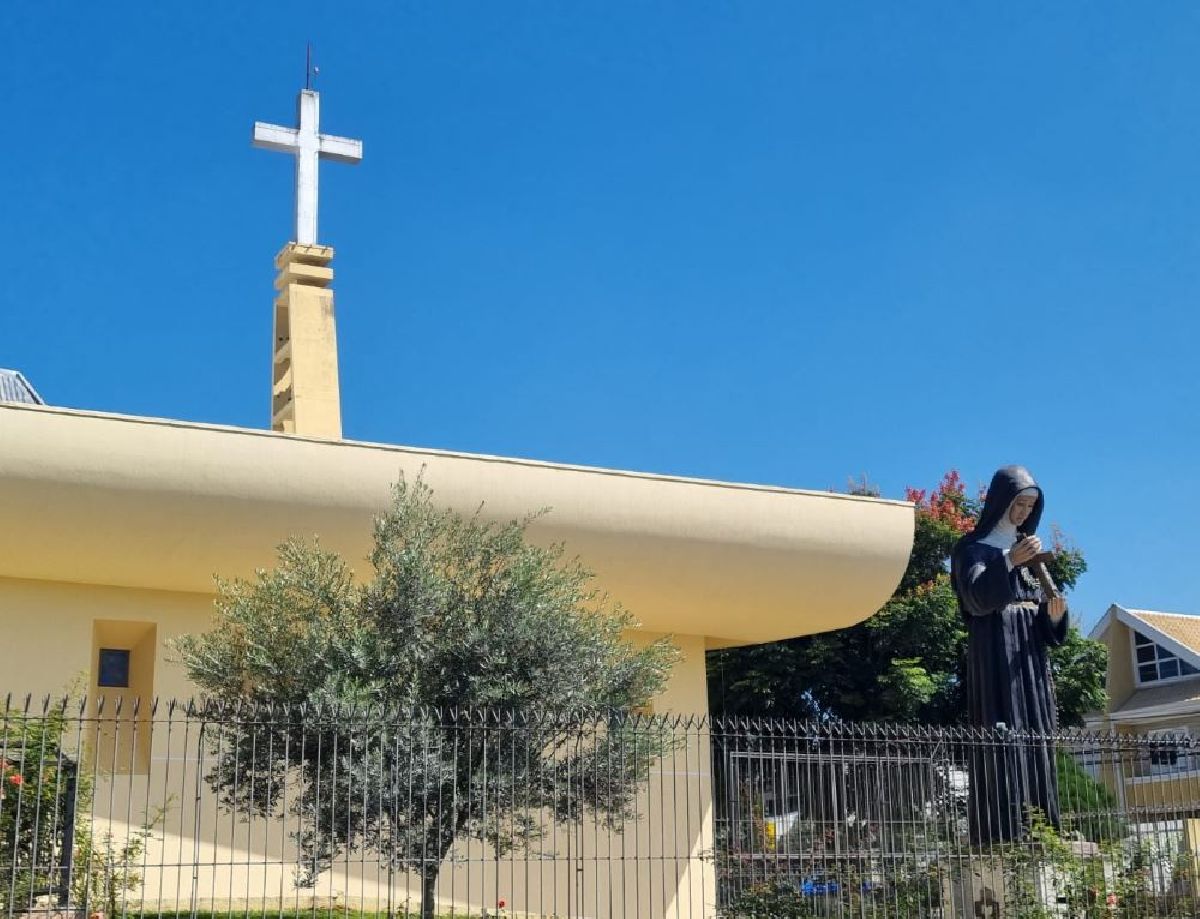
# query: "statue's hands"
x,y
1024,550
1057,608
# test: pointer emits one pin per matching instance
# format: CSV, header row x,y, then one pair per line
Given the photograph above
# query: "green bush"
x,y
34,794
38,795
1093,808
776,899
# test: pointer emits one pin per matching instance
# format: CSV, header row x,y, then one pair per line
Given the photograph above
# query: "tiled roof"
x,y
15,388
1182,628
1170,694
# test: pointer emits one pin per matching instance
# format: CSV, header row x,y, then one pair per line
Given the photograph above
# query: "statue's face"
x,y
1021,508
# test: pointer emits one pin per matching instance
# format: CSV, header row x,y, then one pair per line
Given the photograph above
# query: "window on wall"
x,y
114,668
1155,663
1169,751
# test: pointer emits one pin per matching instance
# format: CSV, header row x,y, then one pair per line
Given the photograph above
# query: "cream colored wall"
x,y
687,777
687,692
51,636
49,633
53,632
121,709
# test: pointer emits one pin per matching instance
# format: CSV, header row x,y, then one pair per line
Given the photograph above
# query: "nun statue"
x,y
1011,626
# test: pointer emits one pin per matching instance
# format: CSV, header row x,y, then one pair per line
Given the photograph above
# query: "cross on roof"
x,y
308,145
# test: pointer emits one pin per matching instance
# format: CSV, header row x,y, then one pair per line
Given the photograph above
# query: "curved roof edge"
x,y
459,454
159,504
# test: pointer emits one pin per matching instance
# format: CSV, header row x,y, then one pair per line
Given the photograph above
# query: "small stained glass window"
x,y
114,668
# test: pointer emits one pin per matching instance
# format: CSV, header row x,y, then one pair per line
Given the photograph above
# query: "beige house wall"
x,y
1132,777
1120,664
1163,792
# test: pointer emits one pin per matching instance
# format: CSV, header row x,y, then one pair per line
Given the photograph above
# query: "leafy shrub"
x,y
1092,805
777,899
40,789
34,792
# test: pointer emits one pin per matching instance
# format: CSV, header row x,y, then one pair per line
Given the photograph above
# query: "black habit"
x,y
1008,678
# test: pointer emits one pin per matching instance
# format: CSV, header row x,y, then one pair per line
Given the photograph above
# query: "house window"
x,y
1156,663
1170,752
114,668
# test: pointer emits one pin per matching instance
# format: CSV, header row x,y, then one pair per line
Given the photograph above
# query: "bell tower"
x,y
305,396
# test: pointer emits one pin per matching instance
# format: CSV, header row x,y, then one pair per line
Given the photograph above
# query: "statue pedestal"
x,y
976,889
993,887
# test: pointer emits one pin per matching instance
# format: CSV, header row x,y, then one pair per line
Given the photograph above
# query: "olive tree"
x,y
472,681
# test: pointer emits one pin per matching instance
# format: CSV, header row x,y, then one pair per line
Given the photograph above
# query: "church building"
x,y
113,527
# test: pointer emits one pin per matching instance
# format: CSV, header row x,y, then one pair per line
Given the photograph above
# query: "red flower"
x,y
500,903
915,495
16,779
945,504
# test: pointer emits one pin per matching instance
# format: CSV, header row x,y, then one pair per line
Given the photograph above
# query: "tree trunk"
x,y
440,841
429,878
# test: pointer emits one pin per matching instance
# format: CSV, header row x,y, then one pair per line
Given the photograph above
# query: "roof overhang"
x,y
1150,713
1100,629
119,500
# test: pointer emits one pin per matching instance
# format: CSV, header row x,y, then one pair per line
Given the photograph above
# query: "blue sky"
x,y
773,242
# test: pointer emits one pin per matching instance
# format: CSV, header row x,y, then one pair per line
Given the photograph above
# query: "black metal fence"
x,y
120,809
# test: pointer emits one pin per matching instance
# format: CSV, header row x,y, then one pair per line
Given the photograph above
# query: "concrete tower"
x,y
305,396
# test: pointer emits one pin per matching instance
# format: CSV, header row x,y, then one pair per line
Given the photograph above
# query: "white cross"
x,y
308,145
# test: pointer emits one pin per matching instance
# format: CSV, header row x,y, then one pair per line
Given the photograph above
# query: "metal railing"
x,y
177,809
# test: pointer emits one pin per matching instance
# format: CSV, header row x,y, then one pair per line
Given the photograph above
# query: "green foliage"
x,y
1116,882
771,898
1079,666
459,614
38,792
1092,805
33,790
1048,875
905,663
106,868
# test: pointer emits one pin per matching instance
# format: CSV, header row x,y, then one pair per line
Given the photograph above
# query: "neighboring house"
x,y
1153,698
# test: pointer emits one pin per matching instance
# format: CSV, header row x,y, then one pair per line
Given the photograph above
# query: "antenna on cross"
x,y
308,145
309,70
